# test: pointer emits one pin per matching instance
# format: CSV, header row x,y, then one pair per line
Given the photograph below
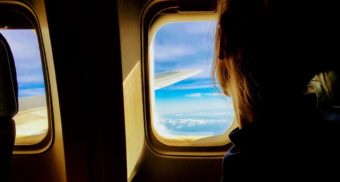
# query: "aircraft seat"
x,y
326,87
8,107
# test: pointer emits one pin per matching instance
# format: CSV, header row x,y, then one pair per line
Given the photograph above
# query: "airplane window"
x,y
187,104
31,121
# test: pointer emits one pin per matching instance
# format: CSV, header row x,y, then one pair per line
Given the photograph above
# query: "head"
x,y
267,51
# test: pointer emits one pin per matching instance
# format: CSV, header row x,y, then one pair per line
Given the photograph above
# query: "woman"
x,y
267,52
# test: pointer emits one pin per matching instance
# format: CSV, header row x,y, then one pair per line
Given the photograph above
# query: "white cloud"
x,y
201,28
24,44
30,78
171,52
179,127
193,122
214,94
188,122
195,95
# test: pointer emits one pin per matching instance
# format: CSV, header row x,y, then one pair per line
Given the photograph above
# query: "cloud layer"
x,y
198,123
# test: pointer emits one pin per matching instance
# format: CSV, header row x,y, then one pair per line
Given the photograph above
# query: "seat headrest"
x,y
8,81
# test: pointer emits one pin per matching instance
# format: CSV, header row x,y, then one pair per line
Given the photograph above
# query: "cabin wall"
x,y
130,34
134,121
97,66
86,45
143,162
49,165
156,167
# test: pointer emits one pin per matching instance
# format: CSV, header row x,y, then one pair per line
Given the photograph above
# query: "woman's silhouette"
x,y
267,51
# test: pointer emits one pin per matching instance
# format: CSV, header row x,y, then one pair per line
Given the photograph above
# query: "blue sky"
x,y
25,49
193,106
190,107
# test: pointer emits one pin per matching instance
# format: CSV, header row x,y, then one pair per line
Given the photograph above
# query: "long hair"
x,y
267,52
236,33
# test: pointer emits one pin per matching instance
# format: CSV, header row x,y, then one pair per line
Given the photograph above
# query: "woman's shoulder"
x,y
233,157
310,148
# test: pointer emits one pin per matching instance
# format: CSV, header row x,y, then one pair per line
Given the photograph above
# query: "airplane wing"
x,y
165,79
31,121
32,102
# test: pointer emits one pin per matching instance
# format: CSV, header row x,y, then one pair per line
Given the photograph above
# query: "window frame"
x,y
28,14
155,16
